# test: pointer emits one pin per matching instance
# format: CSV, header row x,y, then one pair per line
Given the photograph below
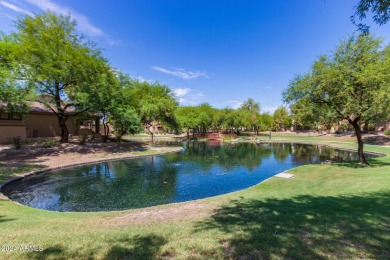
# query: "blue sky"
x,y
219,52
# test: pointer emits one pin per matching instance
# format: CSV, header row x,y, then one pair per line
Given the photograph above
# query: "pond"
x,y
200,170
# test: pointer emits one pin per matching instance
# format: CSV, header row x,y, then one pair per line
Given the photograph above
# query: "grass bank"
x,y
327,211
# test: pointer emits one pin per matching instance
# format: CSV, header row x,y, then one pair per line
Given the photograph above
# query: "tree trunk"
x,y
106,132
64,129
150,126
358,132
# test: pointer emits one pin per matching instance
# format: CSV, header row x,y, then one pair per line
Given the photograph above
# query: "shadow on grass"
x,y
304,227
373,162
48,253
138,247
5,219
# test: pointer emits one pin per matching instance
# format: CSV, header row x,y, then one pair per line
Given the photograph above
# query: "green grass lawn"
x,y
327,211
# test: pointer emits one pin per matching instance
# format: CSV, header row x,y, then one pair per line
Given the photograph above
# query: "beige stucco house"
x,y
39,122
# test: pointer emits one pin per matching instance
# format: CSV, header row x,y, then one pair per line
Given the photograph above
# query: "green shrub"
x,y
227,138
387,132
49,143
83,138
371,127
17,142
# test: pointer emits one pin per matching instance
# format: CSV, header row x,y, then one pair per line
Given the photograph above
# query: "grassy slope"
x,y
338,210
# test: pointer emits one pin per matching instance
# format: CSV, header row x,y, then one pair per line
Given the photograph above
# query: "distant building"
x,y
40,122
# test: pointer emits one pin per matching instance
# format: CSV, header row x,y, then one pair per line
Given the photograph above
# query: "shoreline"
x,y
87,162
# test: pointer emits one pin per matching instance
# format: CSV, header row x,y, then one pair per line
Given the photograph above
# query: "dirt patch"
x,y
164,214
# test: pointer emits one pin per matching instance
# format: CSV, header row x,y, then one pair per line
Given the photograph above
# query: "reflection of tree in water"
x,y
225,156
120,185
154,180
281,151
304,154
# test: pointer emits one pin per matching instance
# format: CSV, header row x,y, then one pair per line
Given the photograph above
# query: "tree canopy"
x,y
380,10
352,84
54,59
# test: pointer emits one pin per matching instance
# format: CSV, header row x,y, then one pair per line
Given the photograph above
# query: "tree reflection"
x,y
200,170
119,185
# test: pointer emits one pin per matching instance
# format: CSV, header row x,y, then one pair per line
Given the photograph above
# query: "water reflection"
x,y
200,170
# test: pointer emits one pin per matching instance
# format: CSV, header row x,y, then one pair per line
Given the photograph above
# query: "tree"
x,y
266,122
58,63
254,108
379,8
125,121
351,84
14,94
281,118
154,103
187,118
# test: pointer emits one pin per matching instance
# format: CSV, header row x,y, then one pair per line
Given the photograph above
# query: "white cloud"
x,y
235,104
112,42
84,25
15,8
270,109
142,79
182,73
83,22
188,96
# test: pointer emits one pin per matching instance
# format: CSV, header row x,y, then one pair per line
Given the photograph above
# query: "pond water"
x,y
200,170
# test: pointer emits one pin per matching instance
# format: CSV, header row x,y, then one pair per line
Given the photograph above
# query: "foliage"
x,y
57,62
380,10
154,104
125,121
266,122
49,143
387,132
17,142
281,118
351,84
13,92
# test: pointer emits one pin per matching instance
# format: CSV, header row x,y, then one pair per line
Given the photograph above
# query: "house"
x,y
39,122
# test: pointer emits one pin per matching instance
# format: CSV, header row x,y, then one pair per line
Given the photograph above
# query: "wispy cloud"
x,y
188,96
83,22
235,104
112,42
15,8
182,73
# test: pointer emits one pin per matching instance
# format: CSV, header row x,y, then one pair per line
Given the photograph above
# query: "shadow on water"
x,y
304,227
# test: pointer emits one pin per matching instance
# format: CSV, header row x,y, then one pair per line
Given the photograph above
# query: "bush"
x,y
49,143
17,142
83,138
371,127
227,138
387,132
